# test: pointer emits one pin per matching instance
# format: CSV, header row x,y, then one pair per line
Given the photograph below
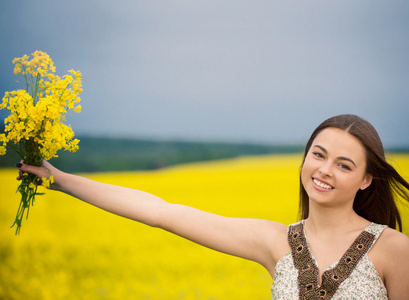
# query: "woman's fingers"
x,y
20,175
38,171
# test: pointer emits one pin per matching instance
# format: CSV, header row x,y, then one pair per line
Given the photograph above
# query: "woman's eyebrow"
x,y
339,157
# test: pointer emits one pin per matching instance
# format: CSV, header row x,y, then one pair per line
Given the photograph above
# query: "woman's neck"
x,y
327,221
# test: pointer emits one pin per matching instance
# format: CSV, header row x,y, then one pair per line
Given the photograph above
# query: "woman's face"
x,y
335,168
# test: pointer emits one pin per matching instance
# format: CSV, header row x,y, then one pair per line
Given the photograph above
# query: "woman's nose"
x,y
325,170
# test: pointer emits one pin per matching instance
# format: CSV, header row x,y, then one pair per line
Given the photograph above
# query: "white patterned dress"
x,y
362,281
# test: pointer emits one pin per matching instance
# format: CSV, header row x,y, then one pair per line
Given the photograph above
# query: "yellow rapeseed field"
x,y
70,250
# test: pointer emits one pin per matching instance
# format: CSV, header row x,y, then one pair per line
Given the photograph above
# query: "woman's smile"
x,y
319,184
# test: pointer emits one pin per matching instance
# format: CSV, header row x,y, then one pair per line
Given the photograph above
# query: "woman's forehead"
x,y
340,142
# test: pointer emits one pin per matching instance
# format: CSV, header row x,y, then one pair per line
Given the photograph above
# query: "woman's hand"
x,y
41,172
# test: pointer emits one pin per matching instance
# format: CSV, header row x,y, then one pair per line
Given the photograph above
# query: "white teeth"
x,y
321,184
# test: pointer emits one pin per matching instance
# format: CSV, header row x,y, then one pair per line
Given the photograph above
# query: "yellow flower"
x,y
78,108
17,69
47,181
3,141
35,127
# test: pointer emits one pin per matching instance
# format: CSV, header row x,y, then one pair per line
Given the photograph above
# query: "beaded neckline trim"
x,y
331,278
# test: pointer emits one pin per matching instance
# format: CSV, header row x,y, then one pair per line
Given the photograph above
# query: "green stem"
x,y
27,200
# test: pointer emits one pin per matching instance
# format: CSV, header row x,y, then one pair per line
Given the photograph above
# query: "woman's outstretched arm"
x,y
254,239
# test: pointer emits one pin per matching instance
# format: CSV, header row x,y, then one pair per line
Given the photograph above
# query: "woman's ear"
x,y
367,181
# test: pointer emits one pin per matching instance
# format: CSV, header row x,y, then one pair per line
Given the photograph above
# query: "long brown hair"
x,y
376,203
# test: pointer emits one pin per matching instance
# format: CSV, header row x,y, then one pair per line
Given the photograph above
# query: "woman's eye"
x,y
345,167
317,154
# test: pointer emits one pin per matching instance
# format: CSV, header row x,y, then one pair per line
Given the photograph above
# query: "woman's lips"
x,y
322,184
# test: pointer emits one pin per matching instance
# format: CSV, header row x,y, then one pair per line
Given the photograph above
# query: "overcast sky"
x,y
253,71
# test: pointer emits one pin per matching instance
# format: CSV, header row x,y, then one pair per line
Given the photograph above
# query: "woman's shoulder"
x,y
392,259
392,247
392,240
275,239
281,236
273,231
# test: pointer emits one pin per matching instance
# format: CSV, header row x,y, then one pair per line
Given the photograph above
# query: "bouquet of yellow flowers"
x,y
35,128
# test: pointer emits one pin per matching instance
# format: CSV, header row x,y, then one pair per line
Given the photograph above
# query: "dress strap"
x,y
376,230
332,278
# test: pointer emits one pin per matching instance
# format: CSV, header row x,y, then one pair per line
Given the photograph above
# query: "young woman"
x,y
345,247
